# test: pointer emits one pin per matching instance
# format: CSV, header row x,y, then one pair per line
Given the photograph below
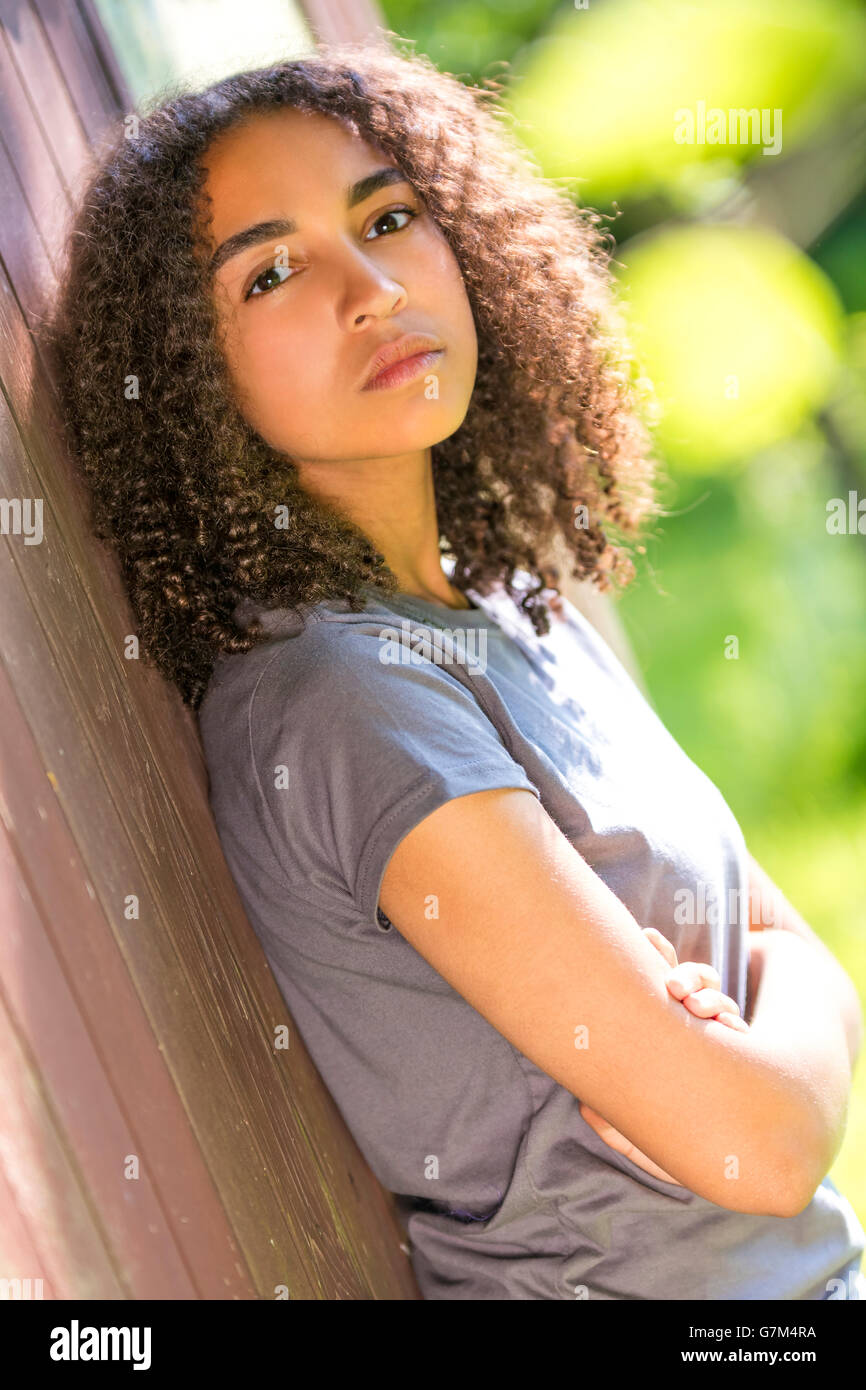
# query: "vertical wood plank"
x,y
99,96
45,87
48,1191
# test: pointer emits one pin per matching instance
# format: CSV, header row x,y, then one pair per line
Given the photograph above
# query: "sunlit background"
x,y
741,262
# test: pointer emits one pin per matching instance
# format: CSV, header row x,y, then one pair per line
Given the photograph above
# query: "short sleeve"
x,y
350,754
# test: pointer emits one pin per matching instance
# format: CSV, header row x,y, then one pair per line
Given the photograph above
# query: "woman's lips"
x,y
400,372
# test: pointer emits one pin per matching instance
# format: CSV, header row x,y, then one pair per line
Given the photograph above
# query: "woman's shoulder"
x,y
328,664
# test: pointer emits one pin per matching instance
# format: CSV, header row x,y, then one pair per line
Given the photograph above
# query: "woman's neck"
x,y
447,595
393,502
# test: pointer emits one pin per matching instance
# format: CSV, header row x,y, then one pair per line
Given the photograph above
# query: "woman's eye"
x,y
270,270
409,213
258,288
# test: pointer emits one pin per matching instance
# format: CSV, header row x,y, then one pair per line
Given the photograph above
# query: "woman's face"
x,y
304,307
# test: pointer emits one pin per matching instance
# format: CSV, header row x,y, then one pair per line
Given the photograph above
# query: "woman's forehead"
x,y
275,162
285,131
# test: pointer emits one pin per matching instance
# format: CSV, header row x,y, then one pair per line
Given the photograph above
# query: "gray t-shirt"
x,y
325,746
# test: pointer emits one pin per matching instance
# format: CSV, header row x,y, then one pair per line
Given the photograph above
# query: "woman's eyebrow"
x,y
268,231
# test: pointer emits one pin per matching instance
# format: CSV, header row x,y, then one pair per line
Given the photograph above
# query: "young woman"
x,y
341,367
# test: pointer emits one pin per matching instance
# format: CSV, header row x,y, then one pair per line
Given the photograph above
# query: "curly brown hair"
x,y
185,490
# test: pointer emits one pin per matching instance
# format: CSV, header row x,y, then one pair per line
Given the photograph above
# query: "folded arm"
x,y
770,909
800,996
543,949
796,1021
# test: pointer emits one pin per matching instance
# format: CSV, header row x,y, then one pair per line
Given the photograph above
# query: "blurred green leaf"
x,y
738,331
599,92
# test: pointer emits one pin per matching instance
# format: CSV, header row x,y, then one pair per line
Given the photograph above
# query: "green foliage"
x,y
739,332
600,90
470,38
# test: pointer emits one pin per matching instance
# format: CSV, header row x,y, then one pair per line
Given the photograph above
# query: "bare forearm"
x,y
769,908
796,1024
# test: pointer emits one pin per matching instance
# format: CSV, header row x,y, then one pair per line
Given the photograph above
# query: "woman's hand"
x,y
696,985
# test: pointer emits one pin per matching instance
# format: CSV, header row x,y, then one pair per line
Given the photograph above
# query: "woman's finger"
x,y
733,1021
706,1003
690,976
661,944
